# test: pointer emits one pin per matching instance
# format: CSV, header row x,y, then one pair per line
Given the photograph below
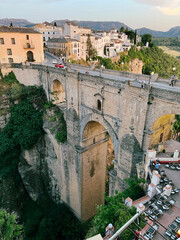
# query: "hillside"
x,y
16,22
173,32
154,60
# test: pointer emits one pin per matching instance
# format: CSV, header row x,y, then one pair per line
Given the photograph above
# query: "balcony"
x,y
28,46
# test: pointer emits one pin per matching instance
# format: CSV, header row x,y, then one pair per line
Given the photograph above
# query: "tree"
x,y
135,37
146,38
95,53
9,229
130,34
89,47
10,25
114,211
176,127
55,24
122,29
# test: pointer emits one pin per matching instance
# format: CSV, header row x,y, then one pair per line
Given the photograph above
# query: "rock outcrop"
x,y
4,110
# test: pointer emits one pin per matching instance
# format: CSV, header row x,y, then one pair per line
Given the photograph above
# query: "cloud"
x,y
168,7
169,11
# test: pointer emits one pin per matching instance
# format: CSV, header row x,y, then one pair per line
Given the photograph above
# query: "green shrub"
x,y
61,137
48,105
9,229
10,78
16,91
1,75
53,119
164,150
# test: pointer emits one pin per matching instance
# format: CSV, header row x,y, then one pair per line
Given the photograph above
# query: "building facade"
x,y
64,47
48,31
106,43
20,45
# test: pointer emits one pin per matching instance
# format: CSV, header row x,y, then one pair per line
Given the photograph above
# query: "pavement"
x,y
170,215
170,146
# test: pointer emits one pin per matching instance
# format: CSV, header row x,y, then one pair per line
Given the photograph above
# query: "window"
x,y
49,38
9,51
99,105
27,37
10,60
53,32
1,40
13,40
48,32
44,39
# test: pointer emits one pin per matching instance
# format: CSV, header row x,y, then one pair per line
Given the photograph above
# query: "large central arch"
x,y
97,156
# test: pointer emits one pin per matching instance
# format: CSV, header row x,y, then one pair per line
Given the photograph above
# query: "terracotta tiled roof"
x,y
142,199
17,30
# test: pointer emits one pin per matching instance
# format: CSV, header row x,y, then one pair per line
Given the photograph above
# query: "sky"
x,y
154,14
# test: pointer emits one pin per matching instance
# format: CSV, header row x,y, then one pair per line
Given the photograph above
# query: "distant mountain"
x,y
94,25
173,32
15,22
154,33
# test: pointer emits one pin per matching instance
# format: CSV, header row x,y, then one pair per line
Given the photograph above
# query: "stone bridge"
x,y
109,114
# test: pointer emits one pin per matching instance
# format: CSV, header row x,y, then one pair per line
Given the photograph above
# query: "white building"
x,y
48,31
106,43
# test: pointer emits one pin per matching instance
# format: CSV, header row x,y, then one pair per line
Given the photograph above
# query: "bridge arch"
x,y
58,92
97,160
161,131
112,133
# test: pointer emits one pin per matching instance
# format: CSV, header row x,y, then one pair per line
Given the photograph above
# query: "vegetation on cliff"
x,y
57,125
154,59
45,219
176,128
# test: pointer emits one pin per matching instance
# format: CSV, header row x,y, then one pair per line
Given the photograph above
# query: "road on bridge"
x,y
50,58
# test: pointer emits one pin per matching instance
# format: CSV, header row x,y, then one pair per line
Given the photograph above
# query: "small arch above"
x,y
58,92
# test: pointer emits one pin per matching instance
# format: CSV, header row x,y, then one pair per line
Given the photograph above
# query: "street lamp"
x,y
123,65
101,69
152,73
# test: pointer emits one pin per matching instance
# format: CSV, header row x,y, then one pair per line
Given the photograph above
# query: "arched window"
x,y
99,105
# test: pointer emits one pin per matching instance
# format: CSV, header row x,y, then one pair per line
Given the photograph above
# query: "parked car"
x,y
59,65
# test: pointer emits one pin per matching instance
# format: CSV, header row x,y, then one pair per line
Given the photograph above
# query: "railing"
x,y
28,46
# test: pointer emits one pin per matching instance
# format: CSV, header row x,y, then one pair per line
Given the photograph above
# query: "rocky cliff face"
x,y
39,167
135,66
4,110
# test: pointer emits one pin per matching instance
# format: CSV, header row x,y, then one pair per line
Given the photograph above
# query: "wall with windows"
x,y
14,47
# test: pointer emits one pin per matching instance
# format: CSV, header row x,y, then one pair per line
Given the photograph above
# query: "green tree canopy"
x,y
89,47
130,34
122,29
9,228
146,38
